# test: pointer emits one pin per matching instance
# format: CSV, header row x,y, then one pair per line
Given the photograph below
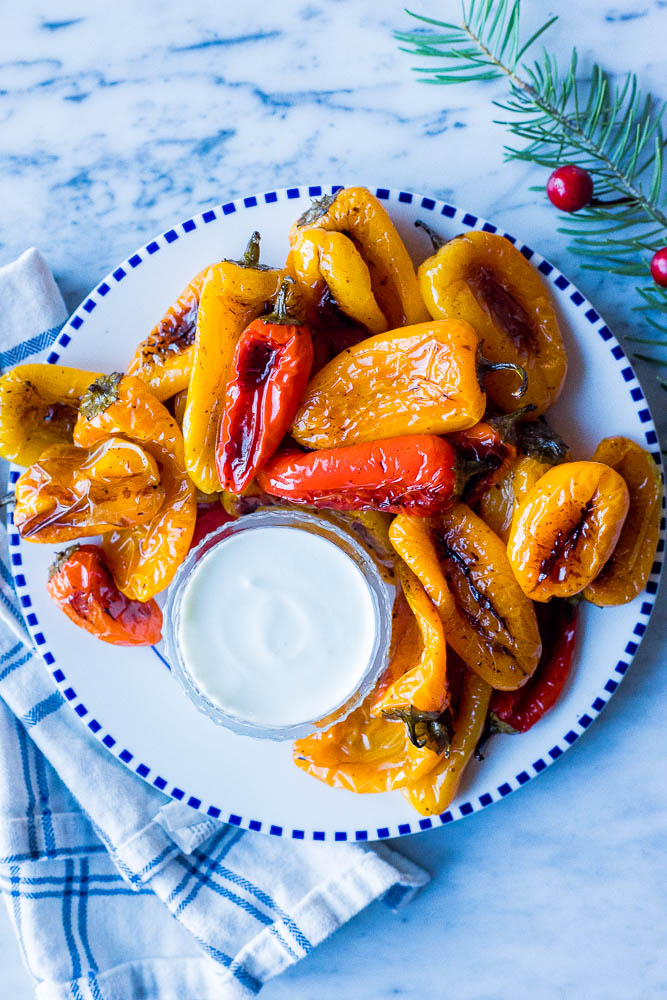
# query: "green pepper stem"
x,y
436,240
250,256
287,310
506,423
99,396
319,207
486,367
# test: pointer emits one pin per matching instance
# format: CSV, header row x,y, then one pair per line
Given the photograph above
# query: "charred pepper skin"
x,y
81,585
270,368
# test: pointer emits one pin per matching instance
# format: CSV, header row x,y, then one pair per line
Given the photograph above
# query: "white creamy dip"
x,y
277,626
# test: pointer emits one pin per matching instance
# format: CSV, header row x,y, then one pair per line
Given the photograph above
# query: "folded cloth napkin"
x,y
94,863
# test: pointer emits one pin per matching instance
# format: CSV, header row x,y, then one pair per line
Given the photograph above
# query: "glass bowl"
x,y
379,594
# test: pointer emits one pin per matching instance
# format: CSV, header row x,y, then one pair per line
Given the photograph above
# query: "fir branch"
x,y
613,131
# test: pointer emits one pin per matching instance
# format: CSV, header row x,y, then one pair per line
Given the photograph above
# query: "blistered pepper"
x,y
518,711
164,359
327,265
142,559
498,504
414,473
566,528
38,408
420,696
463,567
358,214
268,376
71,492
82,586
416,380
234,294
482,278
434,792
625,573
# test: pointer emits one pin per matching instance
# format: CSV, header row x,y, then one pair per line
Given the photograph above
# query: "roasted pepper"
x,y
417,380
414,473
358,214
71,492
142,559
164,359
329,268
268,376
420,696
482,278
234,294
625,573
463,568
434,792
566,528
518,711
38,408
498,504
210,517
82,586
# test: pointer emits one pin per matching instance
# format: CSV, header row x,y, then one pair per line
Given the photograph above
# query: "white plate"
x,y
128,698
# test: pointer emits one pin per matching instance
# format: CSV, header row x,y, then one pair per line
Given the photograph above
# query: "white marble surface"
x,y
118,119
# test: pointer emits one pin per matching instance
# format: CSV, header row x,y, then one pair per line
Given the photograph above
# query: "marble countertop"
x,y
119,119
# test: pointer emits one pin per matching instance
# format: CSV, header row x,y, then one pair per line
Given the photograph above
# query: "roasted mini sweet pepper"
x,y
625,573
416,380
566,528
267,379
413,473
164,359
142,559
234,294
38,408
482,278
358,214
71,492
463,567
82,586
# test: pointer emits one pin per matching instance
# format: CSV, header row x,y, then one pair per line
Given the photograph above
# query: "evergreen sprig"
x,y
613,131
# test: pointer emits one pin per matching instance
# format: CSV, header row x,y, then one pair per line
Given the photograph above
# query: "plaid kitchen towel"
x,y
95,864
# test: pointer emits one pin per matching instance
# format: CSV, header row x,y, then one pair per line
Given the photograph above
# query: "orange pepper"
x,y
625,573
566,529
498,503
142,559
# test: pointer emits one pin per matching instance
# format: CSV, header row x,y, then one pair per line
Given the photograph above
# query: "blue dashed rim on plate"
x,y
561,287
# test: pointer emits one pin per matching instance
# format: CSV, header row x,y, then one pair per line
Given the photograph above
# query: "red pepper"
x,y
271,366
520,710
81,584
415,473
209,517
490,445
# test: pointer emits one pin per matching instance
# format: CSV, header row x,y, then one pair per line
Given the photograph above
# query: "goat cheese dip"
x,y
277,626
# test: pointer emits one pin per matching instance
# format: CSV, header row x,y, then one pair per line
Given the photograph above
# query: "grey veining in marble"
x,y
117,119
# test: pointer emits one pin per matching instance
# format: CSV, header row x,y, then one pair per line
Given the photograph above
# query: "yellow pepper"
x,y
497,504
358,214
38,408
414,380
328,263
234,293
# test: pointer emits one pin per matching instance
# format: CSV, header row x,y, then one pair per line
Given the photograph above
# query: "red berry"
x,y
659,267
570,188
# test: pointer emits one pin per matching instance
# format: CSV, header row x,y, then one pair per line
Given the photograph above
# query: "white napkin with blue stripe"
x,y
94,863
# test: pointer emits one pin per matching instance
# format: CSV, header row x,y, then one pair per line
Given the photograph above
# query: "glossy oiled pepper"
x,y
82,586
421,694
71,492
268,376
164,359
415,473
433,793
142,559
482,278
210,517
417,380
463,568
234,294
364,753
625,574
328,266
566,528
358,214
498,503
518,711
38,408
